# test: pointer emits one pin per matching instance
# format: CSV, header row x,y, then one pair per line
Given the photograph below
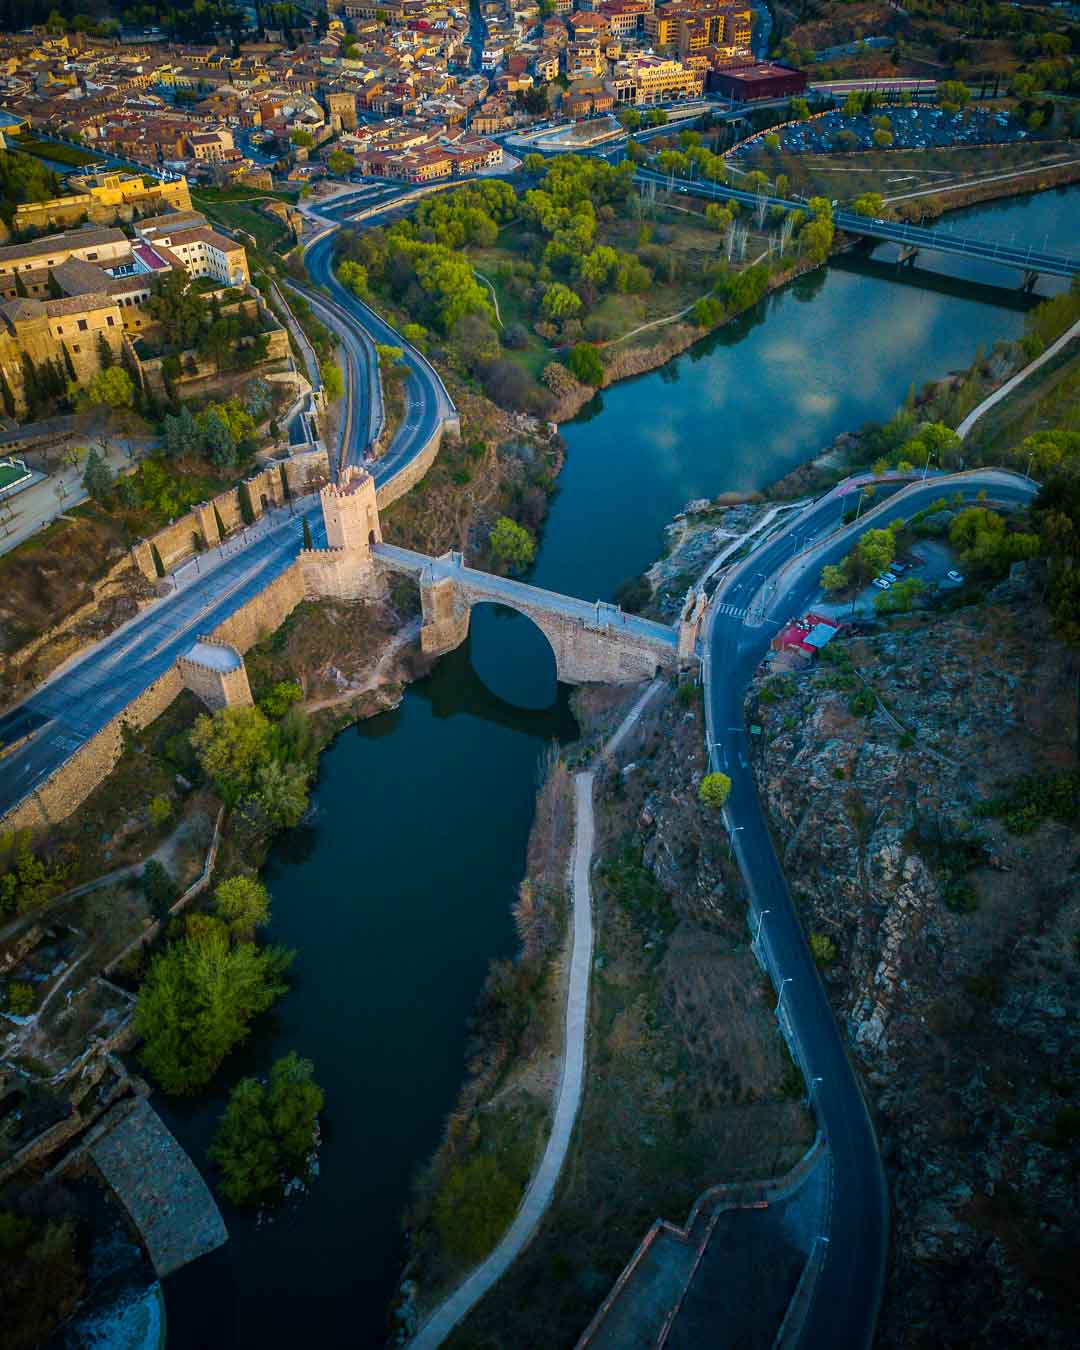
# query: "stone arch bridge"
x,y
592,643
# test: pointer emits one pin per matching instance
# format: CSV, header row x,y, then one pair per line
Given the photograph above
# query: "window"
x,y
76,348
109,320
82,325
91,257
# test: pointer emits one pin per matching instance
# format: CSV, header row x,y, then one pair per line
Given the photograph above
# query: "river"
x,y
397,894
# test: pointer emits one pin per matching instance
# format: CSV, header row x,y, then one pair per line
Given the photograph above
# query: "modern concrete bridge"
x,y
1031,262
591,642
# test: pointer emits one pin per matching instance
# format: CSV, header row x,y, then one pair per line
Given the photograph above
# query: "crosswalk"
x,y
732,611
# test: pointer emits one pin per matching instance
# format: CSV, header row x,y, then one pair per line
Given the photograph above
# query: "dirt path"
x,y
541,1189
377,674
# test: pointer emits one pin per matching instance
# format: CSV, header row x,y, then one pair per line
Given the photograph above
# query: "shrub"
x,y
159,811
21,998
585,364
822,948
714,790
474,1207
159,888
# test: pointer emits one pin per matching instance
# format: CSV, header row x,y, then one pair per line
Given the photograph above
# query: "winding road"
x,y
783,572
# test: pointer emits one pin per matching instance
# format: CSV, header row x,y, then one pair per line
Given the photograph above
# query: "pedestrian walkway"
x,y
541,1189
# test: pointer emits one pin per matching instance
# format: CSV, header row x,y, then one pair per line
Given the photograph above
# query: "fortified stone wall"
x,y
68,786
338,574
264,612
200,527
213,685
417,467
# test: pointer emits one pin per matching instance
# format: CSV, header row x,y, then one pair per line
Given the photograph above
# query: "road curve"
x,y
537,1199
844,1308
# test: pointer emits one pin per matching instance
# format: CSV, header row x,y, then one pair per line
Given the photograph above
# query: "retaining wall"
x,y
417,467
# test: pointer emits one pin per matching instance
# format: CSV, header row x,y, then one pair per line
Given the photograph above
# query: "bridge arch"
x,y
512,655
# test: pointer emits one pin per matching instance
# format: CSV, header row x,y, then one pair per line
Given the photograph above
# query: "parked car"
x,y
899,568
956,577
881,583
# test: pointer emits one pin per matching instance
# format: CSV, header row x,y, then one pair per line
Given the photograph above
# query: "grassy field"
x,y
267,232
59,154
1049,399
894,173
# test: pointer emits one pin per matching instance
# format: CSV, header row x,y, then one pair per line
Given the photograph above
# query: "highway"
x,y
843,1313
893,231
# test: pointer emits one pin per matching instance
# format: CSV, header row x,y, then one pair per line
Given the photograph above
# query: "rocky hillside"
x,y
930,832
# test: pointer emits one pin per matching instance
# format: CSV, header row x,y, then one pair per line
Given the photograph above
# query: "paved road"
x,y
844,1309
538,1197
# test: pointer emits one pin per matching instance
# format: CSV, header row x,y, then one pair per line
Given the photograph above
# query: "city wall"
x,y
208,523
416,468
68,786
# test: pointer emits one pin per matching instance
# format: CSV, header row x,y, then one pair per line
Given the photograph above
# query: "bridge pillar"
x,y
908,254
443,627
1029,282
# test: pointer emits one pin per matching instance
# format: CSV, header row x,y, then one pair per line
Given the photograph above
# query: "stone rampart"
x,y
263,613
215,673
67,787
408,476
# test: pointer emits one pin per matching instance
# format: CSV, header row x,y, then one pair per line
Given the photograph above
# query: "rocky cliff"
x,y
931,837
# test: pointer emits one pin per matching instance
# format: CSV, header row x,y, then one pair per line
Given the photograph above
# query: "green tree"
x,y
953,95
231,747
833,577
198,997
339,162
281,792
159,888
304,140
112,388
799,109
182,435
714,790
244,904
719,217
512,545
353,277
159,810
334,385
277,701
475,1206
822,948
872,554
585,364
180,310
560,302
307,534
97,478
267,1133
244,1147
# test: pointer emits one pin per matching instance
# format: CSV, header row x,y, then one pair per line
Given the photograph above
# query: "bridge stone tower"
x,y
351,512
346,569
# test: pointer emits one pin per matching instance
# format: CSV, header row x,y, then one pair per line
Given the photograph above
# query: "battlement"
x,y
351,512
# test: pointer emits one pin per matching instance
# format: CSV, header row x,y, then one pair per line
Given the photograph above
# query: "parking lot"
x,y
912,129
937,561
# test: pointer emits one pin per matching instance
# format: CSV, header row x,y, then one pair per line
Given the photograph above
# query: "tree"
x,y
281,792
159,810
833,578
307,534
112,388
822,948
231,747
267,1133
97,478
714,790
277,701
27,881
512,545
585,364
560,302
334,385
872,554
182,435
799,109
244,904
339,162
198,997
883,139
353,277
179,309
869,204
953,95
304,140
159,888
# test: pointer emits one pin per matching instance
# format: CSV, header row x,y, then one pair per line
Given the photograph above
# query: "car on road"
x,y
899,568
957,578
882,584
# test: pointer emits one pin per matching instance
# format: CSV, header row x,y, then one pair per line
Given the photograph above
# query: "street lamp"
x,y
731,839
780,997
761,920
810,1091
